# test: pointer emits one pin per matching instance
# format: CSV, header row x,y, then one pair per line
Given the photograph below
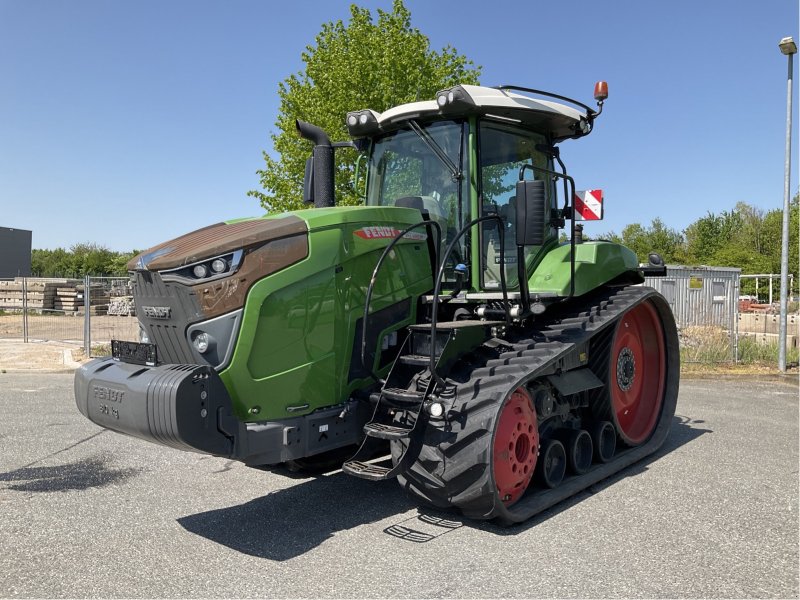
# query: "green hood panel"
x,y
596,263
300,329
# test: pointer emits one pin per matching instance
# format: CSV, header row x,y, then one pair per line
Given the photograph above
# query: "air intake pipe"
x,y
322,177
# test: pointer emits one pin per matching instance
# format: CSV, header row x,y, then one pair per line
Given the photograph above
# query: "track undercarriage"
x,y
531,416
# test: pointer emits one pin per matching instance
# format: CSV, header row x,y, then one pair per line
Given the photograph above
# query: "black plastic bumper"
x,y
187,407
174,405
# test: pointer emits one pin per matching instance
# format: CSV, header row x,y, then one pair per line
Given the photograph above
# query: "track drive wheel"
x,y
491,462
637,373
516,446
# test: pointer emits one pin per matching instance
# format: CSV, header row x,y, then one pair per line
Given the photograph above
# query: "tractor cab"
x,y
460,158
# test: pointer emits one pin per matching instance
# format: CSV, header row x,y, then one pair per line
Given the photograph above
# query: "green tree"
x,y
773,232
81,259
709,234
361,64
656,238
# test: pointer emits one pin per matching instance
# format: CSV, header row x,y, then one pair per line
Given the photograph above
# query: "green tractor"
x,y
442,324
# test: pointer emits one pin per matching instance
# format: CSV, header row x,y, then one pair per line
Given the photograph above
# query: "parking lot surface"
x,y
89,513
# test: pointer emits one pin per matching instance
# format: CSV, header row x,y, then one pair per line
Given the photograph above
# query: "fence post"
x,y
87,320
735,327
24,310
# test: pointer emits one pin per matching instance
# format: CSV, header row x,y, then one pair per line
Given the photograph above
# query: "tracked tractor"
x,y
441,334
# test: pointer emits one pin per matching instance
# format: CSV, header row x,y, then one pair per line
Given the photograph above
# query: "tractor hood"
x,y
216,240
213,268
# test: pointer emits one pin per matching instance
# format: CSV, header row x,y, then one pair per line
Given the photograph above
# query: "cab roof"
x,y
556,120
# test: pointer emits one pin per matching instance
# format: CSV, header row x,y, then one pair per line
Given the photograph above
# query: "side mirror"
x,y
530,213
308,182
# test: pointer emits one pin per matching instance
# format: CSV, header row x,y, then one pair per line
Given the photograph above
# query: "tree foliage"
x,y
746,237
79,260
361,64
656,237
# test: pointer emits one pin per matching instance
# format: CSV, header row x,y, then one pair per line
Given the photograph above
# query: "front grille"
x,y
168,334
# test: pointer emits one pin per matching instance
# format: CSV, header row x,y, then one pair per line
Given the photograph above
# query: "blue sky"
x,y
129,123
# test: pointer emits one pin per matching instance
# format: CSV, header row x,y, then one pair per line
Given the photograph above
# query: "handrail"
x,y
590,112
371,285
438,286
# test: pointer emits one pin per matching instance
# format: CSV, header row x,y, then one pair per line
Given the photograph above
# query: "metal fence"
x,y
708,306
705,302
89,312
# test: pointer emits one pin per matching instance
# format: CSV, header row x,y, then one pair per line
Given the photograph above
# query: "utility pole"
x,y
789,48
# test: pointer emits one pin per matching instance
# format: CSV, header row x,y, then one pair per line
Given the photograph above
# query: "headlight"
x,y
201,342
436,409
213,341
205,270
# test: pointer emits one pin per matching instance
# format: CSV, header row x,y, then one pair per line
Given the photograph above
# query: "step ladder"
x,y
406,388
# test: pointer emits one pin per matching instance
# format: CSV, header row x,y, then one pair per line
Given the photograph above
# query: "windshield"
x,y
404,170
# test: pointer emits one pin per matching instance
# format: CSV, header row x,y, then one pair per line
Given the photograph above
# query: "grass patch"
x,y
100,350
705,349
707,345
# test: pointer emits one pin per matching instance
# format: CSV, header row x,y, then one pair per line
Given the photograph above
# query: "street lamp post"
x,y
789,48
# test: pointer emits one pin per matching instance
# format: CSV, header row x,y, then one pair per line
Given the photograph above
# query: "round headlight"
x,y
201,342
450,97
219,265
352,120
363,119
441,99
436,409
200,271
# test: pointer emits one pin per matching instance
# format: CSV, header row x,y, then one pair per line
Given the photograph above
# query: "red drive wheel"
x,y
637,373
516,446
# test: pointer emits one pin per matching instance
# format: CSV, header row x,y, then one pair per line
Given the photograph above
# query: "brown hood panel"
x,y
215,240
218,297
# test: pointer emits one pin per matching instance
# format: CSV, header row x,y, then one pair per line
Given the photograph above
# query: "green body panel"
x,y
596,263
296,339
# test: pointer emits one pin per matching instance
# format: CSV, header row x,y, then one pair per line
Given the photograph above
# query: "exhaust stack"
x,y
322,165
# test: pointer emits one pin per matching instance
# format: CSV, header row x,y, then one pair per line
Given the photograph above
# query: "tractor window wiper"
x,y
436,149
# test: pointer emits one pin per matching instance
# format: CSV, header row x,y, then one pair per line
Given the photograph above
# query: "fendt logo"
x,y
157,312
379,232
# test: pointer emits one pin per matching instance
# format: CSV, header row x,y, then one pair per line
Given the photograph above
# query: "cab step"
x,y
367,470
387,432
401,395
417,360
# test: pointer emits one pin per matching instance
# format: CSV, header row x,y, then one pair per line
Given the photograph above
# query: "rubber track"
x,y
453,465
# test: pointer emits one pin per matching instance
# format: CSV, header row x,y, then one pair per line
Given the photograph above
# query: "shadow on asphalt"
x,y
92,472
295,520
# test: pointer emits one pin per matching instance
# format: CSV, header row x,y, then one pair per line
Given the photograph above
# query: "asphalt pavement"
x,y
89,513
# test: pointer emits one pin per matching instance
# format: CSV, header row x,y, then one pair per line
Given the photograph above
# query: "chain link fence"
x,y
87,312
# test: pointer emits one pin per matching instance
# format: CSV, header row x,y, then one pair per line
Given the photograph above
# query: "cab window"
x,y
502,153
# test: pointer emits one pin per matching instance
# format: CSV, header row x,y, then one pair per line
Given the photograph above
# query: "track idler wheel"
x,y
515,446
637,373
579,447
553,460
604,437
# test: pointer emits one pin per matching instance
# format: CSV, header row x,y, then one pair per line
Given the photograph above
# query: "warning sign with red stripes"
x,y
589,205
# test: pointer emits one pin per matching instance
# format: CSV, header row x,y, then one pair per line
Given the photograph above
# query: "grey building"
x,y
700,295
15,252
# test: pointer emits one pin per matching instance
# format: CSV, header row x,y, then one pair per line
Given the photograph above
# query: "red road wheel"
x,y
637,373
516,446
